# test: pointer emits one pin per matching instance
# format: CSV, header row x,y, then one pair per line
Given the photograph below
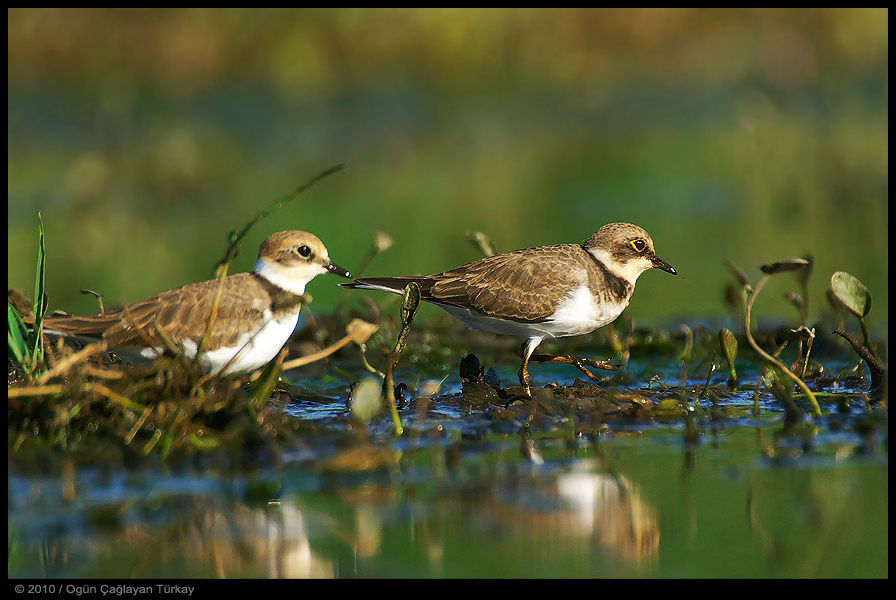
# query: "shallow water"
x,y
476,490
630,502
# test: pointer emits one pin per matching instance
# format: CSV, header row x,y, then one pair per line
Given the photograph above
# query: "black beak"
x,y
337,270
659,263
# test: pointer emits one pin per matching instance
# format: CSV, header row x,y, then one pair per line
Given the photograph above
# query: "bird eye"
x,y
303,251
639,245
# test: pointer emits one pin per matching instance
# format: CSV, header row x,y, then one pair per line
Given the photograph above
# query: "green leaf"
x,y
40,300
852,293
409,302
15,336
729,347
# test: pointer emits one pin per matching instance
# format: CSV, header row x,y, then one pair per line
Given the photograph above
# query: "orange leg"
x,y
528,346
577,361
524,376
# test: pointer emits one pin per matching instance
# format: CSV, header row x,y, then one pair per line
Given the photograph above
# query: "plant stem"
x,y
768,357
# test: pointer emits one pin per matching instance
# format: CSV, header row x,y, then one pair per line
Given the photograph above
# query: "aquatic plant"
x,y
410,302
728,344
856,298
769,270
26,345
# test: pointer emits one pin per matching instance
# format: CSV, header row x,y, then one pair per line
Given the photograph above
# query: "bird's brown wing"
x,y
523,285
182,313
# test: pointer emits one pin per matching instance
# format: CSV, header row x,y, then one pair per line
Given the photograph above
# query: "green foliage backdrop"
x,y
752,135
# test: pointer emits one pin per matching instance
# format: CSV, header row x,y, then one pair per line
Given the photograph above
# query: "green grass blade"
x,y
40,301
15,337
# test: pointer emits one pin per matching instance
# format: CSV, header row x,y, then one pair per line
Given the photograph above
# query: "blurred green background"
x,y
752,135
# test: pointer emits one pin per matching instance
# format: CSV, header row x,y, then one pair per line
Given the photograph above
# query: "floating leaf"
x,y
852,293
783,266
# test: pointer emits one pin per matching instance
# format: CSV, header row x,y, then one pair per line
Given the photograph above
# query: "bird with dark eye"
x,y
303,251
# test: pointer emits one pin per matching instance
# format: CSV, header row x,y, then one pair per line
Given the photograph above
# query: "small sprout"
x,y
852,293
728,343
16,335
410,301
24,345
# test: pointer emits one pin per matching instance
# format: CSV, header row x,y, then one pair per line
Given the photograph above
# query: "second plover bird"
x,y
541,293
257,311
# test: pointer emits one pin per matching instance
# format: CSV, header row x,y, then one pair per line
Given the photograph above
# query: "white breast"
x,y
577,315
250,351
580,313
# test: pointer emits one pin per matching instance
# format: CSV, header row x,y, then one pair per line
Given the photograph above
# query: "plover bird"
x,y
257,311
541,293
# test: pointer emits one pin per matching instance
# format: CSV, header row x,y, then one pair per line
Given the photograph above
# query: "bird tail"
x,y
92,326
395,285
